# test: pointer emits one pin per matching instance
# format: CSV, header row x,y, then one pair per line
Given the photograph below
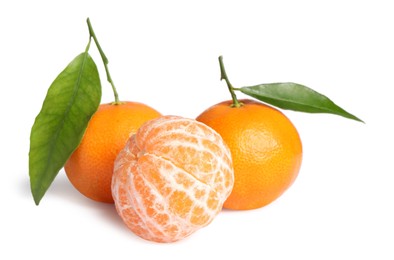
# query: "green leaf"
x,y
295,97
72,99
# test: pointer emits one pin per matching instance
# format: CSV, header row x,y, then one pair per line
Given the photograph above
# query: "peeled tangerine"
x,y
171,178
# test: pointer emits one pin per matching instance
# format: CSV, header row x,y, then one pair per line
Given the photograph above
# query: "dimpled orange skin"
x,y
265,147
90,167
172,178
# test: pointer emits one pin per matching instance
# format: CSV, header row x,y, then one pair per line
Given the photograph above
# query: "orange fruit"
x,y
171,178
266,151
90,167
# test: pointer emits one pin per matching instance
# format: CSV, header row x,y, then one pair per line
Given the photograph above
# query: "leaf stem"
x,y
223,75
88,46
105,61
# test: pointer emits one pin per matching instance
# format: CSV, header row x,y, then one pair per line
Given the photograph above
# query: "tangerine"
x,y
266,150
171,178
90,167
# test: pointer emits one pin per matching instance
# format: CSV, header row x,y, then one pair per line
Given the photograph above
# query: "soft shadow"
x,y
62,191
23,188
61,188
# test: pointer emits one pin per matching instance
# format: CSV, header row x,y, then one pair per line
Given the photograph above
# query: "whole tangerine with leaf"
x,y
74,131
265,145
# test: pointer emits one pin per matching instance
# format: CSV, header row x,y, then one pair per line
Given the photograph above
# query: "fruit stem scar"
x,y
223,75
105,61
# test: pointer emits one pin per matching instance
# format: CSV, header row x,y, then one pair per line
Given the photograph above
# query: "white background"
x,y
164,53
